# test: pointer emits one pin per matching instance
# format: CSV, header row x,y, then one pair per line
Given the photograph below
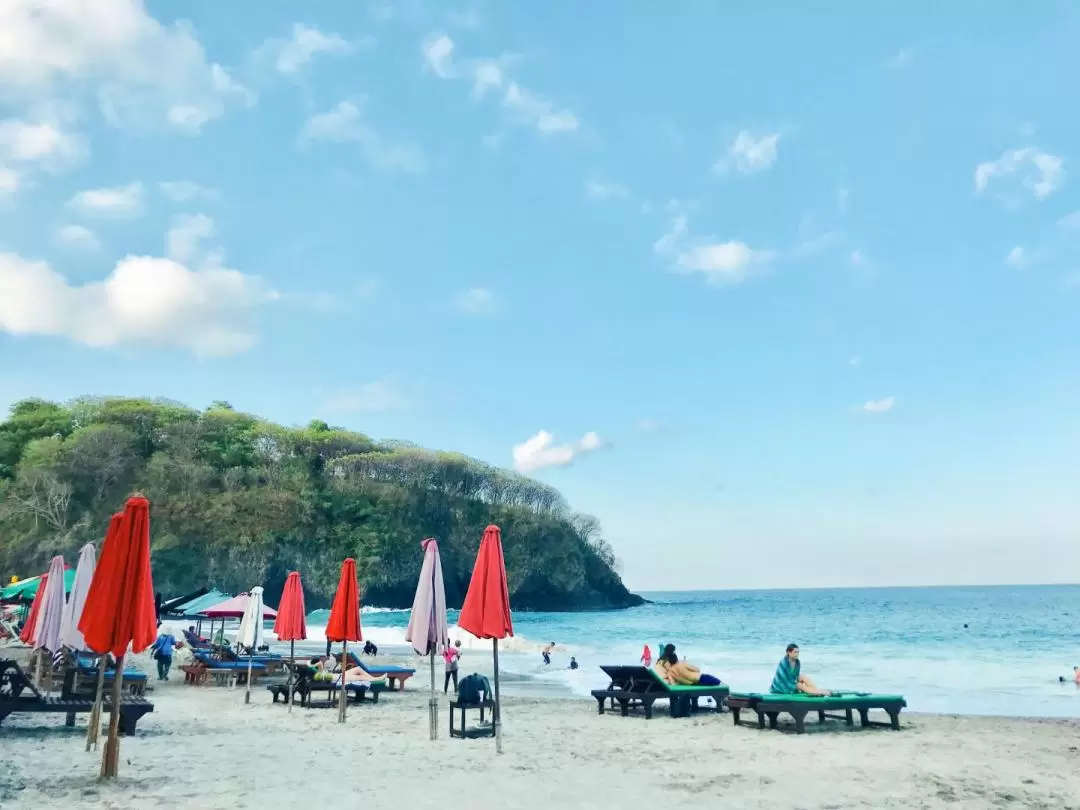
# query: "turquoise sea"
x,y
968,650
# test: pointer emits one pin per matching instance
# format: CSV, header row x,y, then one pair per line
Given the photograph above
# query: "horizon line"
x,y
859,587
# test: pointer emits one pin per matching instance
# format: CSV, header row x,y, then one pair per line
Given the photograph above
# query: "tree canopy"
x,y
238,501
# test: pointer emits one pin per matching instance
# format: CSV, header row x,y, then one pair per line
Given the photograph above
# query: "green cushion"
x,y
684,687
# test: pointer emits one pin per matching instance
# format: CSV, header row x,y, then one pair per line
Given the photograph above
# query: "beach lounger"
x,y
799,706
18,695
271,662
204,667
637,686
86,669
394,675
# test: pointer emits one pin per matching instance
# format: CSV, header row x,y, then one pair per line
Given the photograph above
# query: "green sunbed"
x,y
767,705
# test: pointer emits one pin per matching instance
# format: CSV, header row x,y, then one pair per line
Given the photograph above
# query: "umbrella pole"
x,y
292,670
110,760
247,686
94,729
498,712
433,704
341,690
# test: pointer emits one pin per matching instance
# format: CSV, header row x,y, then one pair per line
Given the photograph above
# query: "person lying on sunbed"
x,y
789,679
324,668
359,675
681,673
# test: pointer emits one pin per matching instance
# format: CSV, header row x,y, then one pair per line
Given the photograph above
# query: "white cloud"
x,y
598,190
748,154
9,181
883,405
1070,220
438,50
345,124
144,301
183,191
540,451
183,240
477,301
1040,172
118,201
490,76
78,237
290,55
41,142
145,74
901,59
1017,258
719,262
379,396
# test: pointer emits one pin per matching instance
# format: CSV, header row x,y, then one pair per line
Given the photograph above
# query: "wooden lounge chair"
x,y
271,662
636,686
86,672
18,695
203,667
394,675
798,706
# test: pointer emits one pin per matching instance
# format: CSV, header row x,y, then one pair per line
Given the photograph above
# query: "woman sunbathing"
x,y
681,673
359,675
789,679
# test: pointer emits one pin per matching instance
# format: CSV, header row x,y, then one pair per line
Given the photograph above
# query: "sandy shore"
x,y
203,748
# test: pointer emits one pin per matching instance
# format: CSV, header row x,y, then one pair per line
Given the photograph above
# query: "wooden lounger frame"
x,y
635,687
772,708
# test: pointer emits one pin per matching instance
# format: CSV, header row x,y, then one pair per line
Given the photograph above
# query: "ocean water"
x,y
1006,661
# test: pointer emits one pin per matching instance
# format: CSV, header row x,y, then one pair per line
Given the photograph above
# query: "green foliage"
x,y
238,501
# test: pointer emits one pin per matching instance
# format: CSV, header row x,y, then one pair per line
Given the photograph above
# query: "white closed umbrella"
x,y
251,633
70,636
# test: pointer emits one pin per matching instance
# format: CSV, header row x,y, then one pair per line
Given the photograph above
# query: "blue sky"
x,y
793,297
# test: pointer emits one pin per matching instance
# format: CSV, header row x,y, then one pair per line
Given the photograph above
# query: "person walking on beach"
x,y
646,656
162,649
451,657
789,679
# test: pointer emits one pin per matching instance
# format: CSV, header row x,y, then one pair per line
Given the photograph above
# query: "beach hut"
x,y
486,611
427,630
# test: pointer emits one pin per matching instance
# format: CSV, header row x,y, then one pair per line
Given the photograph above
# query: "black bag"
x,y
473,689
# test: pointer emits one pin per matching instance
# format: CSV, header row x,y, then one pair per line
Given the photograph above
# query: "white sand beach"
x,y
203,748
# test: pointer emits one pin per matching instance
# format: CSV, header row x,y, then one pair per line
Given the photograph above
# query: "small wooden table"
x,y
482,705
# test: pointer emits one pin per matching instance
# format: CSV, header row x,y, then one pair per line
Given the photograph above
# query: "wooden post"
x,y
341,692
94,729
292,671
498,708
433,703
110,760
247,691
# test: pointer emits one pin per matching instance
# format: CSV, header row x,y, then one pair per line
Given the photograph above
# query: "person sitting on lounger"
x,y
789,679
324,668
681,673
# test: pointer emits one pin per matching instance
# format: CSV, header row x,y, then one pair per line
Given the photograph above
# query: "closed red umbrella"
x,y
291,622
93,726
344,623
29,631
486,612
119,610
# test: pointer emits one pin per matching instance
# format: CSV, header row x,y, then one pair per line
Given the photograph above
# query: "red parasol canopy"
x,y
291,624
234,609
344,623
119,607
28,636
486,612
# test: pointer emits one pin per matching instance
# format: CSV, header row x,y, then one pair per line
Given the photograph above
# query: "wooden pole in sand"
x,y
433,702
292,671
341,694
94,729
498,709
110,760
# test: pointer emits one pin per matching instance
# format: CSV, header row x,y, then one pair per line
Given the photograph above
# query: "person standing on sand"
x,y
451,657
789,679
163,652
546,653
